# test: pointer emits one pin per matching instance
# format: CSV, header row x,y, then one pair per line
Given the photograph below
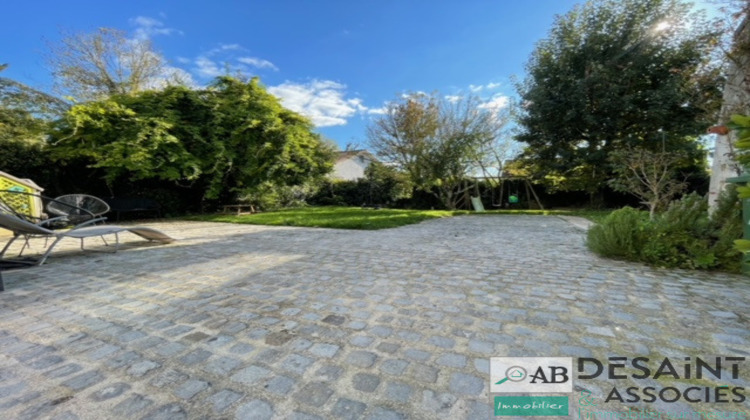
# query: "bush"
x,y
382,185
726,221
620,235
270,196
341,193
681,237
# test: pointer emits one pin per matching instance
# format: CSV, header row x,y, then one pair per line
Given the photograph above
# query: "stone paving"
x,y
258,322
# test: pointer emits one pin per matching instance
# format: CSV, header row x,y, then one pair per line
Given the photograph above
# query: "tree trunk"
x,y
449,201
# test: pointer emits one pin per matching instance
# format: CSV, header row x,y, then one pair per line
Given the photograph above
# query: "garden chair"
x,y
20,203
23,228
78,208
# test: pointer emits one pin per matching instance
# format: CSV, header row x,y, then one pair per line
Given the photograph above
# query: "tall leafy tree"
x,y
614,74
402,135
25,112
25,118
231,139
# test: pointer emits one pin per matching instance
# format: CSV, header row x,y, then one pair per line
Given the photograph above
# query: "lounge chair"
x,y
23,228
66,213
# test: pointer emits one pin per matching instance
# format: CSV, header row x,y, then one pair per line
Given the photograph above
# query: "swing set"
x,y
518,191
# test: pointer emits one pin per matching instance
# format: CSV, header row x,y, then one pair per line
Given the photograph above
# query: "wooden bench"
x,y
238,208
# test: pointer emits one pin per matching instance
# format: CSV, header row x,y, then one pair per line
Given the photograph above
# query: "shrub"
x,y
726,220
270,196
342,193
382,185
620,235
681,237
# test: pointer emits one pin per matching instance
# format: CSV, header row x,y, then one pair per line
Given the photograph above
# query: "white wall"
x,y
350,169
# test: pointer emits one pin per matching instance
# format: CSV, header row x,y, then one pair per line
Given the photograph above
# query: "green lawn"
x,y
367,219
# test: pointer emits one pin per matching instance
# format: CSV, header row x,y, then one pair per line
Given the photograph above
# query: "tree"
x,y
25,118
495,158
26,112
435,141
230,140
736,97
402,134
612,75
92,66
385,184
650,176
741,124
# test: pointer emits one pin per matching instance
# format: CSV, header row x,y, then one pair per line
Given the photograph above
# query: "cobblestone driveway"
x,y
256,322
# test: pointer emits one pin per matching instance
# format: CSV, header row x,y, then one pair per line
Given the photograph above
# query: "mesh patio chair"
x,y
78,208
66,214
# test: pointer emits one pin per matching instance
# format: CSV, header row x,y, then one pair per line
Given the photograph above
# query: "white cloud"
x,y
416,94
171,76
357,103
180,75
146,27
453,98
205,67
378,111
323,101
182,60
225,47
488,86
495,103
225,59
258,63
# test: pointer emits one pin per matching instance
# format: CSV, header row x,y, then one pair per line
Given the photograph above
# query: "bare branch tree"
x,y
648,175
90,66
436,141
493,155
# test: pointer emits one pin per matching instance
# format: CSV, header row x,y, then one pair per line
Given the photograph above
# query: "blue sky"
x,y
337,62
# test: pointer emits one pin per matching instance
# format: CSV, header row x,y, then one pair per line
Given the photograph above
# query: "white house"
x,y
351,164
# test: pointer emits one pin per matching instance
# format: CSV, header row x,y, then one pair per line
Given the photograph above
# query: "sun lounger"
x,y
23,228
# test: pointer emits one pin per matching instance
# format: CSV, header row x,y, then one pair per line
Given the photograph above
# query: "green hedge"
x,y
382,185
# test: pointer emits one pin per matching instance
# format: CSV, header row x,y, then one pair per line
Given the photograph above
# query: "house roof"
x,y
348,154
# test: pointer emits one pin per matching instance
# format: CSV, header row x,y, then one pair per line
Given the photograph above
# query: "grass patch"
x,y
331,217
366,219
